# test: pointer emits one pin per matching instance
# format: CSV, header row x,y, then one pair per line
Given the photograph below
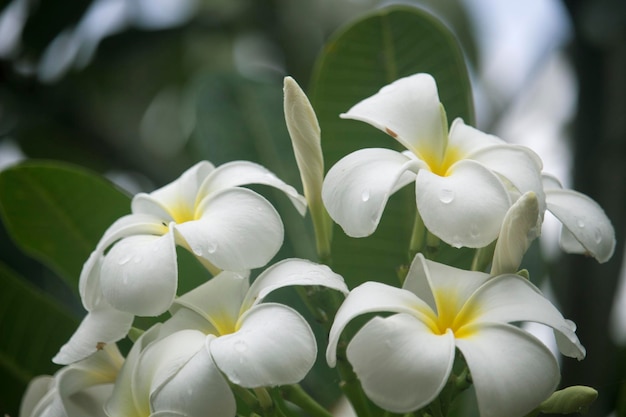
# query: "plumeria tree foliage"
x,y
414,294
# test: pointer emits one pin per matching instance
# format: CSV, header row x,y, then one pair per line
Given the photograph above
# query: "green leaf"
x,y
57,212
389,44
33,328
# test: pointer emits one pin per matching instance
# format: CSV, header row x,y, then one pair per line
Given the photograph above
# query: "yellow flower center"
x,y
182,212
441,166
450,315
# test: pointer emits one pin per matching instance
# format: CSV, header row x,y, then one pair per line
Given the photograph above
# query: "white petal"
x,y
273,346
132,224
439,284
181,192
236,173
401,364
238,230
519,165
519,228
140,274
550,182
465,208
103,324
370,297
292,272
466,139
357,187
218,300
408,110
511,298
512,372
89,281
198,389
584,219
37,396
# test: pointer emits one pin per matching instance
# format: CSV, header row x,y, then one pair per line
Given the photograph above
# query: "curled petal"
x,y
238,230
401,364
466,139
217,301
512,372
130,225
439,284
140,274
197,389
408,110
273,346
101,325
38,396
89,281
586,222
236,173
520,166
181,192
511,298
357,187
292,272
465,208
370,297
519,228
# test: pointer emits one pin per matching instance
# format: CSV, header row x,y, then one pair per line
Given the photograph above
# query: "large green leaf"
x,y
370,53
33,328
57,212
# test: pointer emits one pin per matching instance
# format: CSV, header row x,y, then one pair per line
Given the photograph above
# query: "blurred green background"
x,y
139,90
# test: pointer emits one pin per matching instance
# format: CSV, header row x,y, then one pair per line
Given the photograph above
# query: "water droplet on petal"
x,y
212,247
197,251
125,260
474,231
456,242
580,223
446,196
365,195
597,236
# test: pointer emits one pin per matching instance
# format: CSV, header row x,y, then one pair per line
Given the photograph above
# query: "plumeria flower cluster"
x,y
227,342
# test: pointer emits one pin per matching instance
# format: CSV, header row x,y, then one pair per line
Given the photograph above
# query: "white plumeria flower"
x,y
206,211
586,228
404,360
220,332
465,181
77,390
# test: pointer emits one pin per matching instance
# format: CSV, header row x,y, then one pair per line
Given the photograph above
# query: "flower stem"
x,y
483,256
295,394
418,237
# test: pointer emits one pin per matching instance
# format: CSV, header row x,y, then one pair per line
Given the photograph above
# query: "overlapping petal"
x,y
401,364
512,372
370,297
197,389
590,230
290,272
508,298
465,139
356,189
408,110
238,230
465,208
237,173
273,345
139,274
102,325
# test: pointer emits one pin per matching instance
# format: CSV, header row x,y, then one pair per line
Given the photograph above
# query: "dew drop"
x,y
446,196
197,251
474,231
580,223
125,260
597,236
365,195
240,346
212,247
